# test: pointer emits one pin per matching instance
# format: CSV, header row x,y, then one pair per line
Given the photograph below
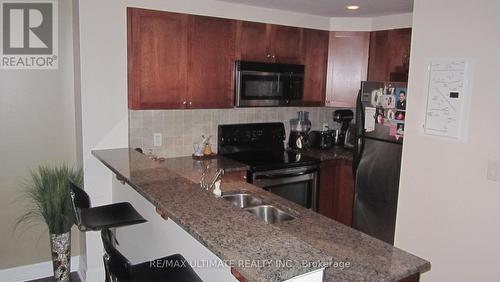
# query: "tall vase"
x,y
60,245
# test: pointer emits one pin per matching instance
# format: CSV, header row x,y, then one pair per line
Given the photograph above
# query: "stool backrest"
x,y
79,200
115,263
79,197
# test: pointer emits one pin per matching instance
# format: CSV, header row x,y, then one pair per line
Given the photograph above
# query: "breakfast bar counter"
x,y
307,243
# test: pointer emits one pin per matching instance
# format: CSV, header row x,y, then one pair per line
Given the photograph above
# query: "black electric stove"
x,y
259,161
261,146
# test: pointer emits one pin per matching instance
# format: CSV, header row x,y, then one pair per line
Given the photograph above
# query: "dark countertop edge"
x,y
175,219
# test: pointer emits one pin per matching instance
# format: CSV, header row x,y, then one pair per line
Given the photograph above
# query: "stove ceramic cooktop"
x,y
263,160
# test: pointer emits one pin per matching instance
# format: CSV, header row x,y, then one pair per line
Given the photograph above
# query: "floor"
x,y
74,278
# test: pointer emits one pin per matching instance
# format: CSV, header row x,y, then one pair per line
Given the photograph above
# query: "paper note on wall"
x,y
370,119
446,97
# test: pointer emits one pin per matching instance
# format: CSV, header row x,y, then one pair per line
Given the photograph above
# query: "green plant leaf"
x,y
47,193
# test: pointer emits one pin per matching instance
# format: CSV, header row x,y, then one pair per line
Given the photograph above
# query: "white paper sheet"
x,y
370,119
445,98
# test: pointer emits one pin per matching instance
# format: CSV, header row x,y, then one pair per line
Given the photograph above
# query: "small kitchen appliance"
x,y
299,131
344,117
261,147
321,139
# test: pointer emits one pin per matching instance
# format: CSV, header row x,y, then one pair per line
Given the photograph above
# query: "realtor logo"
x,y
29,35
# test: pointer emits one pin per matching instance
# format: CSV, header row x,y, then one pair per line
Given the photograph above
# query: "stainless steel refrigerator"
x,y
380,115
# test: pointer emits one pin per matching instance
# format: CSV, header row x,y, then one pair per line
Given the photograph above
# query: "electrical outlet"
x,y
493,172
157,139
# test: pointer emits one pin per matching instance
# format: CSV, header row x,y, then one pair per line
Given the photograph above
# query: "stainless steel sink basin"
x,y
270,214
243,200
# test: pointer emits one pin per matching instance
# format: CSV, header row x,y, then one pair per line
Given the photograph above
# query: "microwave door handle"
x,y
259,73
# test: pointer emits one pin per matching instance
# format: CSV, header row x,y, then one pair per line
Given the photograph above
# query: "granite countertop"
x,y
231,233
335,153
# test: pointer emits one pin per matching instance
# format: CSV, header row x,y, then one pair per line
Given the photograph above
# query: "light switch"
x,y
157,139
493,172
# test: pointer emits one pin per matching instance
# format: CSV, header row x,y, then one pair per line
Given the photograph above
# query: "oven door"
x,y
298,185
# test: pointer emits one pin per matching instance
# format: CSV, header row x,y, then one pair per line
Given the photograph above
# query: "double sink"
x,y
257,206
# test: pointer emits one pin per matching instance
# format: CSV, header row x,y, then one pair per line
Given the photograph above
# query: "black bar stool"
x,y
117,267
89,218
173,268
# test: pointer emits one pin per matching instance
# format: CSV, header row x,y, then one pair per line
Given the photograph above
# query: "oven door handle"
x,y
283,175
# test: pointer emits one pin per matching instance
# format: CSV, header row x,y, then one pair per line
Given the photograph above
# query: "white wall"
x,y
371,24
36,127
392,22
448,211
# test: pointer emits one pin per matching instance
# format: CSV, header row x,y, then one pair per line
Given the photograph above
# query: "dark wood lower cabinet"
x,y
413,278
336,190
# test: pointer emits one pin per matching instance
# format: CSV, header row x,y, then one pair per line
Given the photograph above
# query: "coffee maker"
x,y
299,130
344,117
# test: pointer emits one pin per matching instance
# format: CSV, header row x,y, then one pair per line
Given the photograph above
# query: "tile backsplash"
x,y
181,128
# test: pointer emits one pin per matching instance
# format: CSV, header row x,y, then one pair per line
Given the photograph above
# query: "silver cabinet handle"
x,y
184,103
190,103
268,55
273,56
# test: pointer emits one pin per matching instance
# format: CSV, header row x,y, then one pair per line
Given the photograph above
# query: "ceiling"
x,y
335,8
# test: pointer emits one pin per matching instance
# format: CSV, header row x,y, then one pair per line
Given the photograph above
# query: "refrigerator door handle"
x,y
359,144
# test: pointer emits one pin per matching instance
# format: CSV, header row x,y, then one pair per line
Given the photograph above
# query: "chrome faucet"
x,y
217,176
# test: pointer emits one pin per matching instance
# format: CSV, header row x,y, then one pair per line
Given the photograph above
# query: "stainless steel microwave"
x,y
268,84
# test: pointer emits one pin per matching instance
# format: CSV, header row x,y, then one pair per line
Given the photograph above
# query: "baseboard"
x,y
33,271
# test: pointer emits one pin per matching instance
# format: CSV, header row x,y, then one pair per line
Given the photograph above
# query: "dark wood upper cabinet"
x,y
178,61
315,56
211,55
164,47
157,59
389,55
286,44
347,67
252,41
269,43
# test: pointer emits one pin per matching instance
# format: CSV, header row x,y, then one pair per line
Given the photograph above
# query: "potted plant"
x,y
47,192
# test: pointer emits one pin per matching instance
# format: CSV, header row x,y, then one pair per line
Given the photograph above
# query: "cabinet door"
x,y
389,55
157,59
347,67
286,42
344,193
315,60
336,190
252,41
211,58
327,176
